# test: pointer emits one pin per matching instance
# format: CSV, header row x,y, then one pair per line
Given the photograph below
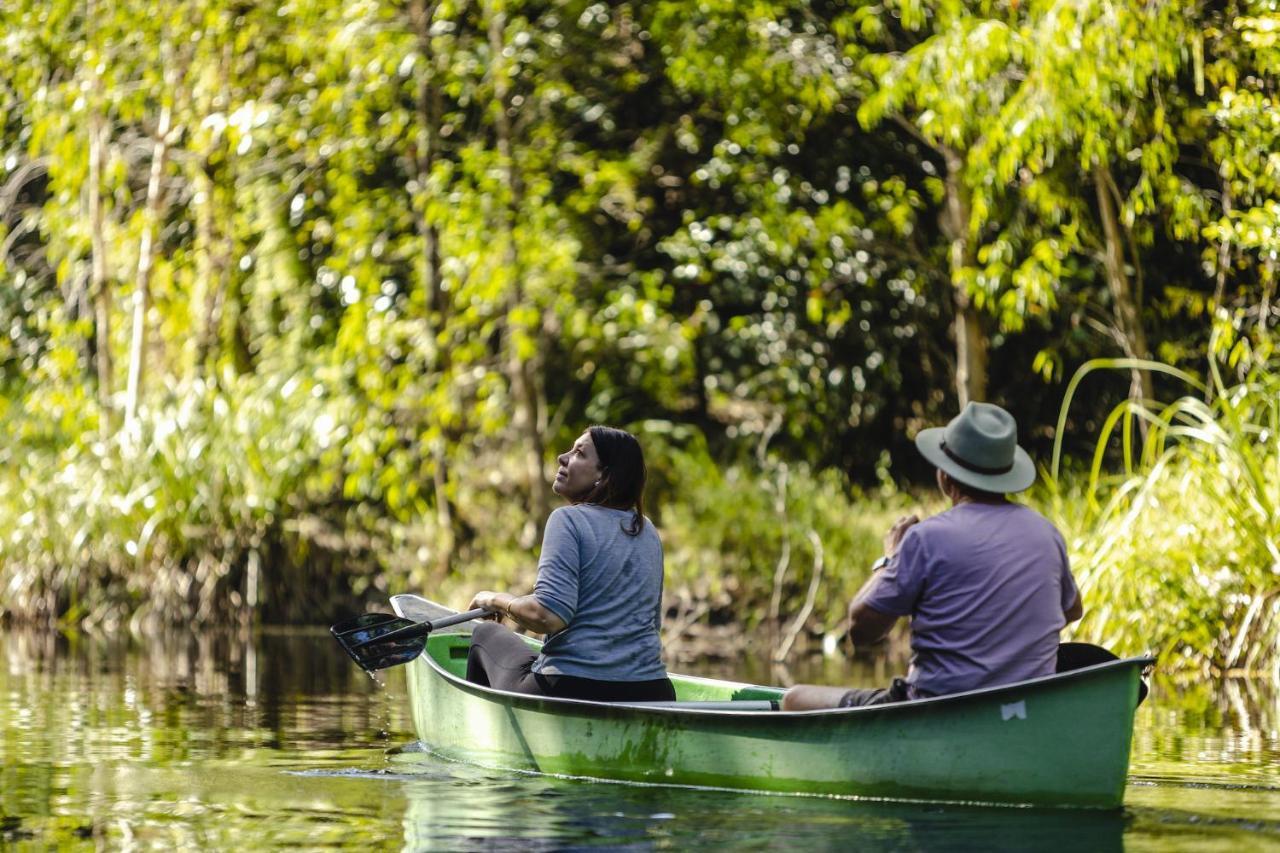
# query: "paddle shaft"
x,y
421,629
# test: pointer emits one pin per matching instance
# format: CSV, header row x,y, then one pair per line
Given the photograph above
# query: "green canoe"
x,y
1062,740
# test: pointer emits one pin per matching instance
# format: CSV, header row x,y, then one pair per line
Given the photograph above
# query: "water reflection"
x,y
180,738
231,741
476,810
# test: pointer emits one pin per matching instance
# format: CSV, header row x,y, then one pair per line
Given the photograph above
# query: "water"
x,y
230,743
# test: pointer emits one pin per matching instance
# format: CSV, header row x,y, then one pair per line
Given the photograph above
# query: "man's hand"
x,y
893,538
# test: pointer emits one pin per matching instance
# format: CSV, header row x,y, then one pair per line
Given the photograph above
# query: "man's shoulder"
x,y
1025,516
967,518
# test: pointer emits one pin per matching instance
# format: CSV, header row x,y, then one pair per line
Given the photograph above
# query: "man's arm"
x,y
866,624
1075,611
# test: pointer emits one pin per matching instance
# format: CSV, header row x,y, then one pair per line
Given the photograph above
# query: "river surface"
x,y
238,742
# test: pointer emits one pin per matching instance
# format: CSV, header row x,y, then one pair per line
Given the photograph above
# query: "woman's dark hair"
x,y
623,474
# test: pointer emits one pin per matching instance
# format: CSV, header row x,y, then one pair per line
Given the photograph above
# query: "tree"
x,y
942,75
1076,120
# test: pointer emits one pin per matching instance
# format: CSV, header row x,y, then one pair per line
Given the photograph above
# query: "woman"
x,y
598,597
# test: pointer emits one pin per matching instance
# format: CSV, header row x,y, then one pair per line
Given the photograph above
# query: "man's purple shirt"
x,y
986,587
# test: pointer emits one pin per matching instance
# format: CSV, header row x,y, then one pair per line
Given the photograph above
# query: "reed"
x,y
1176,551
177,519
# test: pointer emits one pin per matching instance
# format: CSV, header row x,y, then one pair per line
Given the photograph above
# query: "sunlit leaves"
x,y
721,214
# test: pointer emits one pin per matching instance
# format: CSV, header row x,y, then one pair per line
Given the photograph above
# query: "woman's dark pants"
x,y
500,659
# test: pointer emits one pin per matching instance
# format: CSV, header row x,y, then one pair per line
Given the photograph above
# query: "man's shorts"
x,y
861,697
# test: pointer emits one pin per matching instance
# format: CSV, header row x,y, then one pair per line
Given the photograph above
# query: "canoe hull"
x,y
1057,741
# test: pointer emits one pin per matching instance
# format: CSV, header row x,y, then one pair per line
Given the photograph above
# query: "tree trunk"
x,y
206,288
99,284
146,261
231,312
520,371
446,536
218,242
430,108
971,338
436,299
1126,300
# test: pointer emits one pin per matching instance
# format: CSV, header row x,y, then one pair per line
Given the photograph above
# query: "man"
x,y
986,583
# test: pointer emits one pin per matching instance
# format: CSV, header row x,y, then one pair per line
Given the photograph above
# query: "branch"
x,y
941,148
1128,235
692,615
20,229
19,179
785,649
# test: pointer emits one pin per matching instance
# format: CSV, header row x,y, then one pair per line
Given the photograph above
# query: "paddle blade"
x,y
367,622
363,639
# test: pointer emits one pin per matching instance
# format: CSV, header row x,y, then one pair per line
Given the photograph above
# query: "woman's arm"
x,y
524,610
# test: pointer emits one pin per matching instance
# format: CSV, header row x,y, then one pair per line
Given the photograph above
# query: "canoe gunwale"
x,y
594,708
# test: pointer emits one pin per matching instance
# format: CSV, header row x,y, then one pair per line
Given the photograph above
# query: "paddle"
x,y
1079,655
380,640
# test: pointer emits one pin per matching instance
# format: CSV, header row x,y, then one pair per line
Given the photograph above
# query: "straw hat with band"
x,y
979,448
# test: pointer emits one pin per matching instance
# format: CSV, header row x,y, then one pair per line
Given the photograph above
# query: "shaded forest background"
x,y
299,300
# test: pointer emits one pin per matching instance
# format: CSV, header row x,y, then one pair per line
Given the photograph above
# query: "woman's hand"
x,y
524,611
495,602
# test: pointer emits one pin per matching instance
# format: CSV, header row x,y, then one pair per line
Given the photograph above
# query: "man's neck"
x,y
959,500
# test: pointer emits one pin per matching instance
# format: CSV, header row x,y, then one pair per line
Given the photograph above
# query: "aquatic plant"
x,y
1177,551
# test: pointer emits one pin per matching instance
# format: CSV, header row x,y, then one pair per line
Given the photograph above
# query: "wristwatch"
x,y
879,564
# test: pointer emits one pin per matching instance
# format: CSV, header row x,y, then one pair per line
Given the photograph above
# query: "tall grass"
x,y
180,519
1177,552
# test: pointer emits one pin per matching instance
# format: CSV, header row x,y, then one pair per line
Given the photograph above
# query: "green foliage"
x,y
378,259
159,526
1177,554
726,530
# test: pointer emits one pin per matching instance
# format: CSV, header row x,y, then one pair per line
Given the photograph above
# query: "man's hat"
x,y
979,448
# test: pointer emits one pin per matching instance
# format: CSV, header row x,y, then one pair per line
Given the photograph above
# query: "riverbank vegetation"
x,y
1177,551
299,301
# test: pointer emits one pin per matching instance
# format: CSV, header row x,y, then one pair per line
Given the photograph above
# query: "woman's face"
x,y
579,470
